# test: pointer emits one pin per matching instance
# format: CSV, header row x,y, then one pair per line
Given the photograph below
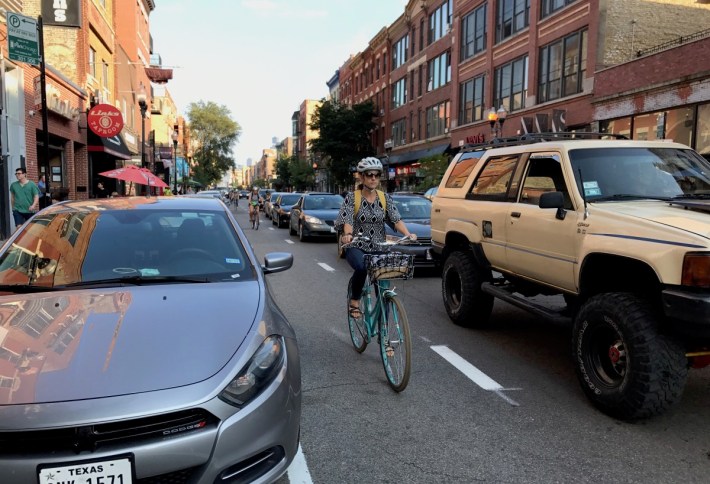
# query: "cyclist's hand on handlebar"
x,y
346,238
412,237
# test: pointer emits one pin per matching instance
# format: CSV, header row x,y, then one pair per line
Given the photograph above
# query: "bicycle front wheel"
x,y
396,344
356,326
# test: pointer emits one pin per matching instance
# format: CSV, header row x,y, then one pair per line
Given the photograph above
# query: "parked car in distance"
x,y
416,213
268,203
128,351
314,215
205,194
431,193
281,209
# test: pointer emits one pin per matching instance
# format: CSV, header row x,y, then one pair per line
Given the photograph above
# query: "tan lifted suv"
x,y
620,228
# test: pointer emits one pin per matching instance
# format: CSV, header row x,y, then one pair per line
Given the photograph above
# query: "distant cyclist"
x,y
253,201
369,220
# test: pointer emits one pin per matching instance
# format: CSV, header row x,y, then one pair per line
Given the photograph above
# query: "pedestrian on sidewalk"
x,y
24,197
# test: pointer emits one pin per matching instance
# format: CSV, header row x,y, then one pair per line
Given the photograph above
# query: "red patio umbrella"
x,y
134,174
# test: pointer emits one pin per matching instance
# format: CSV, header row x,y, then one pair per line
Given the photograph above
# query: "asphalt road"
x,y
446,426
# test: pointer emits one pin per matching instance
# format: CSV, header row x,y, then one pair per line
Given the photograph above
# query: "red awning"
x,y
158,74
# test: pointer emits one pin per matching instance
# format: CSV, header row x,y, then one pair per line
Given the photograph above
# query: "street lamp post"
x,y
143,105
175,167
496,120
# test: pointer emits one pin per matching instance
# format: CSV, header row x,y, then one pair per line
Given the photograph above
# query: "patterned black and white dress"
x,y
369,220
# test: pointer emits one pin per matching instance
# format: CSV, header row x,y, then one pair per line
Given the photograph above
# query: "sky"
x,y
261,58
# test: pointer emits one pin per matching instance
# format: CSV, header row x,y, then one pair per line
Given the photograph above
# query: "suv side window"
x,y
543,175
464,166
493,181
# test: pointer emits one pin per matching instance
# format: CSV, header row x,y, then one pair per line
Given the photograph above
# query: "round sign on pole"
x,y
105,120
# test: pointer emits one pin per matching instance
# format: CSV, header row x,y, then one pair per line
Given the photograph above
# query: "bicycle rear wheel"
x,y
396,344
356,326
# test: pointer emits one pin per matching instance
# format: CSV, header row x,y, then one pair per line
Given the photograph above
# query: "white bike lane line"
x,y
474,374
298,472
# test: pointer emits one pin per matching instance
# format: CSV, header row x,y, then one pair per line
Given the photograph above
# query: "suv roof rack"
x,y
531,138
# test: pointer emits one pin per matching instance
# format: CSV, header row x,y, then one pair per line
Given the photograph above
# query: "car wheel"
x,y
465,302
274,220
626,367
301,235
290,228
341,250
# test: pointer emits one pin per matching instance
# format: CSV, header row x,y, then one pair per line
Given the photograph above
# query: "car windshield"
x,y
75,248
615,173
411,208
322,202
289,200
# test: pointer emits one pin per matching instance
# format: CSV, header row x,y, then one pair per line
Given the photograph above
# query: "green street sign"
x,y
22,38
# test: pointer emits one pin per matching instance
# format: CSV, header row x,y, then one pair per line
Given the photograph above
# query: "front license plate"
x,y
114,471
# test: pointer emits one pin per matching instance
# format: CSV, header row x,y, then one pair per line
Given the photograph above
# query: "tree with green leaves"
x,y
214,133
344,137
302,174
283,171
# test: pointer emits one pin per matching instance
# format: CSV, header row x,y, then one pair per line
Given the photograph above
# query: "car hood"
x,y
73,345
689,215
422,228
327,214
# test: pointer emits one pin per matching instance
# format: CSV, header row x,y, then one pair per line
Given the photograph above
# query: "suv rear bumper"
x,y
690,310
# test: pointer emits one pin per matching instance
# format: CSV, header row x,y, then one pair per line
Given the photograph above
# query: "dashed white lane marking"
x,y
326,267
289,241
298,472
473,373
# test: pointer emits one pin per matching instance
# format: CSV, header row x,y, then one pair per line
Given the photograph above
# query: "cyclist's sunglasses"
x,y
371,174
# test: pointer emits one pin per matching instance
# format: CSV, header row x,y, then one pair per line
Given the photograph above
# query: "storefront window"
x,y
616,126
649,127
703,141
679,125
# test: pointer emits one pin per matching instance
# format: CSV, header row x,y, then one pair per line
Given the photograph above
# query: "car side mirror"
x,y
277,262
554,200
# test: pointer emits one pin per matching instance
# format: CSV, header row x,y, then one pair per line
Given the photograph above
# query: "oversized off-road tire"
x,y
626,367
465,302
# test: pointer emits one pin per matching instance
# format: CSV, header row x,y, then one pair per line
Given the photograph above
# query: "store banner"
x,y
64,13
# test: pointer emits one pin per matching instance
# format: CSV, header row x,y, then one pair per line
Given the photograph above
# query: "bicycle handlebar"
x,y
386,244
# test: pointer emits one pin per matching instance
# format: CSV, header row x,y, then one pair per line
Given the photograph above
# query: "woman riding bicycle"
x,y
253,200
369,220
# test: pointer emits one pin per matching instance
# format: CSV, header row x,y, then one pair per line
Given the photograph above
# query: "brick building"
x,y
450,72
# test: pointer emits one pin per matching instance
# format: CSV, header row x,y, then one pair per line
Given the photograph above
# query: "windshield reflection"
x,y
59,249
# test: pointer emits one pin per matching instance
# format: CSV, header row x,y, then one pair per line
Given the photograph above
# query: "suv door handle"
x,y
515,214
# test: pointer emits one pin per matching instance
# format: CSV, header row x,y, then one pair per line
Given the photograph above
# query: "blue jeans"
x,y
356,259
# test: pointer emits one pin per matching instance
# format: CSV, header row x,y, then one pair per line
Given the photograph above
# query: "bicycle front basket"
x,y
392,265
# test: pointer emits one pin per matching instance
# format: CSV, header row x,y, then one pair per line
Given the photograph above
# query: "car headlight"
x,y
696,270
257,373
313,220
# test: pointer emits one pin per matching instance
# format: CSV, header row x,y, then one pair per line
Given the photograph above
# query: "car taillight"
x,y
696,270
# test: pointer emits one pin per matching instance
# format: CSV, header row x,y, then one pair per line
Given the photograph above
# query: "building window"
x,y
399,93
438,119
411,84
421,35
92,61
549,7
511,17
439,71
473,32
104,74
471,100
440,21
563,65
702,145
378,67
399,52
399,132
510,84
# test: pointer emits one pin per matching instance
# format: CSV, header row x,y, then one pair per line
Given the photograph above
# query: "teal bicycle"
x,y
383,315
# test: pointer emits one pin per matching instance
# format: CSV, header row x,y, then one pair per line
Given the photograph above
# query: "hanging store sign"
x,y
65,13
105,120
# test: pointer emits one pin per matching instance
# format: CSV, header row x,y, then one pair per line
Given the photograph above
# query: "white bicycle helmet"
x,y
369,163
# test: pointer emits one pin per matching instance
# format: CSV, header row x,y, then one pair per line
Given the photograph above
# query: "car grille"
x,y
177,477
93,437
423,241
330,222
